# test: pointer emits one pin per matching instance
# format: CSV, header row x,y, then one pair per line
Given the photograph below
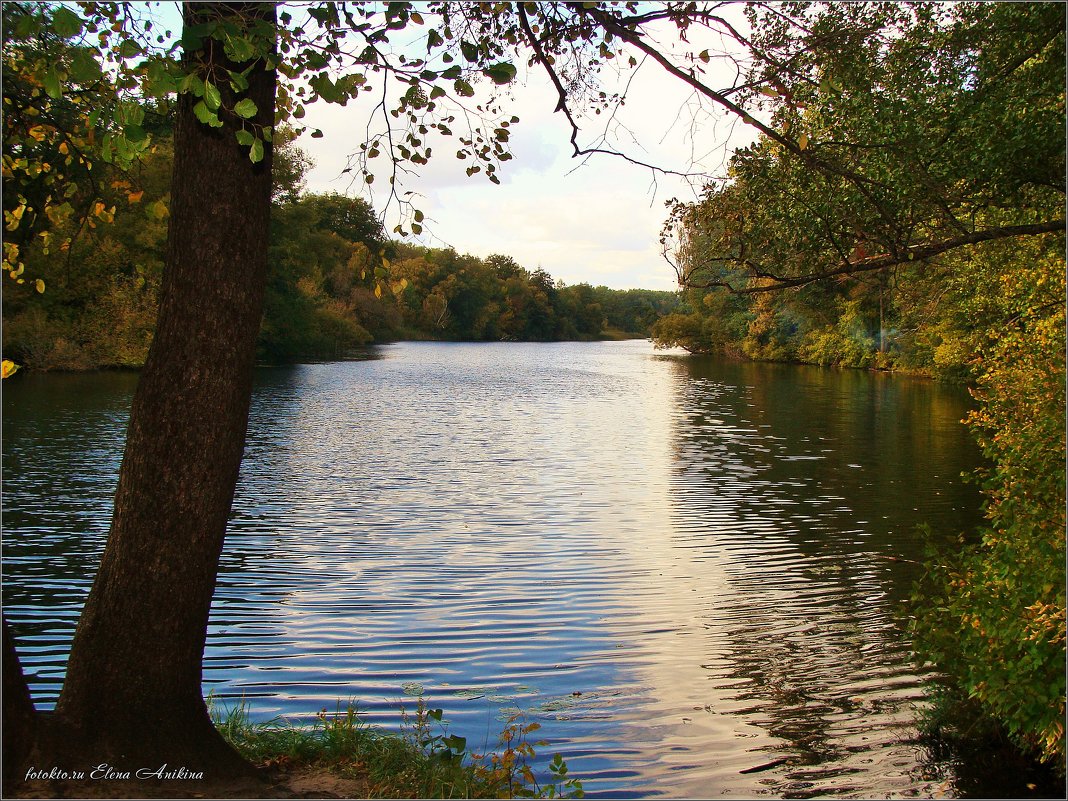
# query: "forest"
x,y
902,209
326,293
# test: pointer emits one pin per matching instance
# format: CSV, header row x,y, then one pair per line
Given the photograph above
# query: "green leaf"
x,y
26,26
204,114
66,23
129,112
130,49
52,86
192,83
238,82
433,39
83,67
212,98
239,49
134,133
470,51
463,88
245,138
501,73
245,108
255,153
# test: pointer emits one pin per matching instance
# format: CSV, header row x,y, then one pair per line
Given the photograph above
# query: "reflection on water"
x,y
690,572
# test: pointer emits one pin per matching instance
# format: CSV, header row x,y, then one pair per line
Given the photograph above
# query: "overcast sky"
x,y
595,221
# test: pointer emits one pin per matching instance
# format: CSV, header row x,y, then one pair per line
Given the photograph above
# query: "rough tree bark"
x,y
132,695
20,717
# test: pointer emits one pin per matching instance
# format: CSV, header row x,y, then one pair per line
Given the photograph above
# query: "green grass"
x,y
414,763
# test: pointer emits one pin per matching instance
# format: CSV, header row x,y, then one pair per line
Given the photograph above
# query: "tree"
x,y
132,695
897,133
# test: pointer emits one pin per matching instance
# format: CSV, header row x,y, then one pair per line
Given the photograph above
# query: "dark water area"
x,y
690,572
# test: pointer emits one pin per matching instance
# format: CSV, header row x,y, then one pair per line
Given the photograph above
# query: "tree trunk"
x,y
132,695
20,717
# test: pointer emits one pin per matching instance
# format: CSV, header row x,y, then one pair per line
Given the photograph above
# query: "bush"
x,y
993,615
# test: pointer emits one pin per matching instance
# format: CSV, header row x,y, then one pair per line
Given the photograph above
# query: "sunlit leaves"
x,y
212,97
245,108
7,368
206,115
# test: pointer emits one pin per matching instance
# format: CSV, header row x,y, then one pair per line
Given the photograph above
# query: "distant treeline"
x,y
336,282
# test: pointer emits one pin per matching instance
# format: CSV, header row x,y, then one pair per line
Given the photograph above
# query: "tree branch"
x,y
561,105
885,261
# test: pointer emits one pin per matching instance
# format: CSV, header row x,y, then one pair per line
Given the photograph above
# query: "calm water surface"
x,y
689,572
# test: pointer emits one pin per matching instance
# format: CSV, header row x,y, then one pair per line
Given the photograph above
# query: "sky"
x,y
595,220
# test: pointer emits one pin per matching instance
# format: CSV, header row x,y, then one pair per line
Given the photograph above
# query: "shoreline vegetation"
x,y
336,282
337,756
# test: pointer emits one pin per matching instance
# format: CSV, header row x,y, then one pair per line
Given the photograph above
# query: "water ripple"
x,y
677,566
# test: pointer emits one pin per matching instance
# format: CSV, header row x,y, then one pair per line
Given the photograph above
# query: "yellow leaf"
x,y
378,290
7,368
802,141
40,285
157,210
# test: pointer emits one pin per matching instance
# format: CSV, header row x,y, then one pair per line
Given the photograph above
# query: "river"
x,y
691,572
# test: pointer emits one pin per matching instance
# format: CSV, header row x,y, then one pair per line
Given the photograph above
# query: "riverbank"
x,y
341,756
307,782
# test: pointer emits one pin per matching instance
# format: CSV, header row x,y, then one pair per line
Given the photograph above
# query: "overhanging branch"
x,y
885,261
562,106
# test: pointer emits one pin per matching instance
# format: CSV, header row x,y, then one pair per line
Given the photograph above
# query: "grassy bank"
x,y
421,761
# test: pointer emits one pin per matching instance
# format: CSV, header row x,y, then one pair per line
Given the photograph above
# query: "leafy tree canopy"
x,y
894,133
